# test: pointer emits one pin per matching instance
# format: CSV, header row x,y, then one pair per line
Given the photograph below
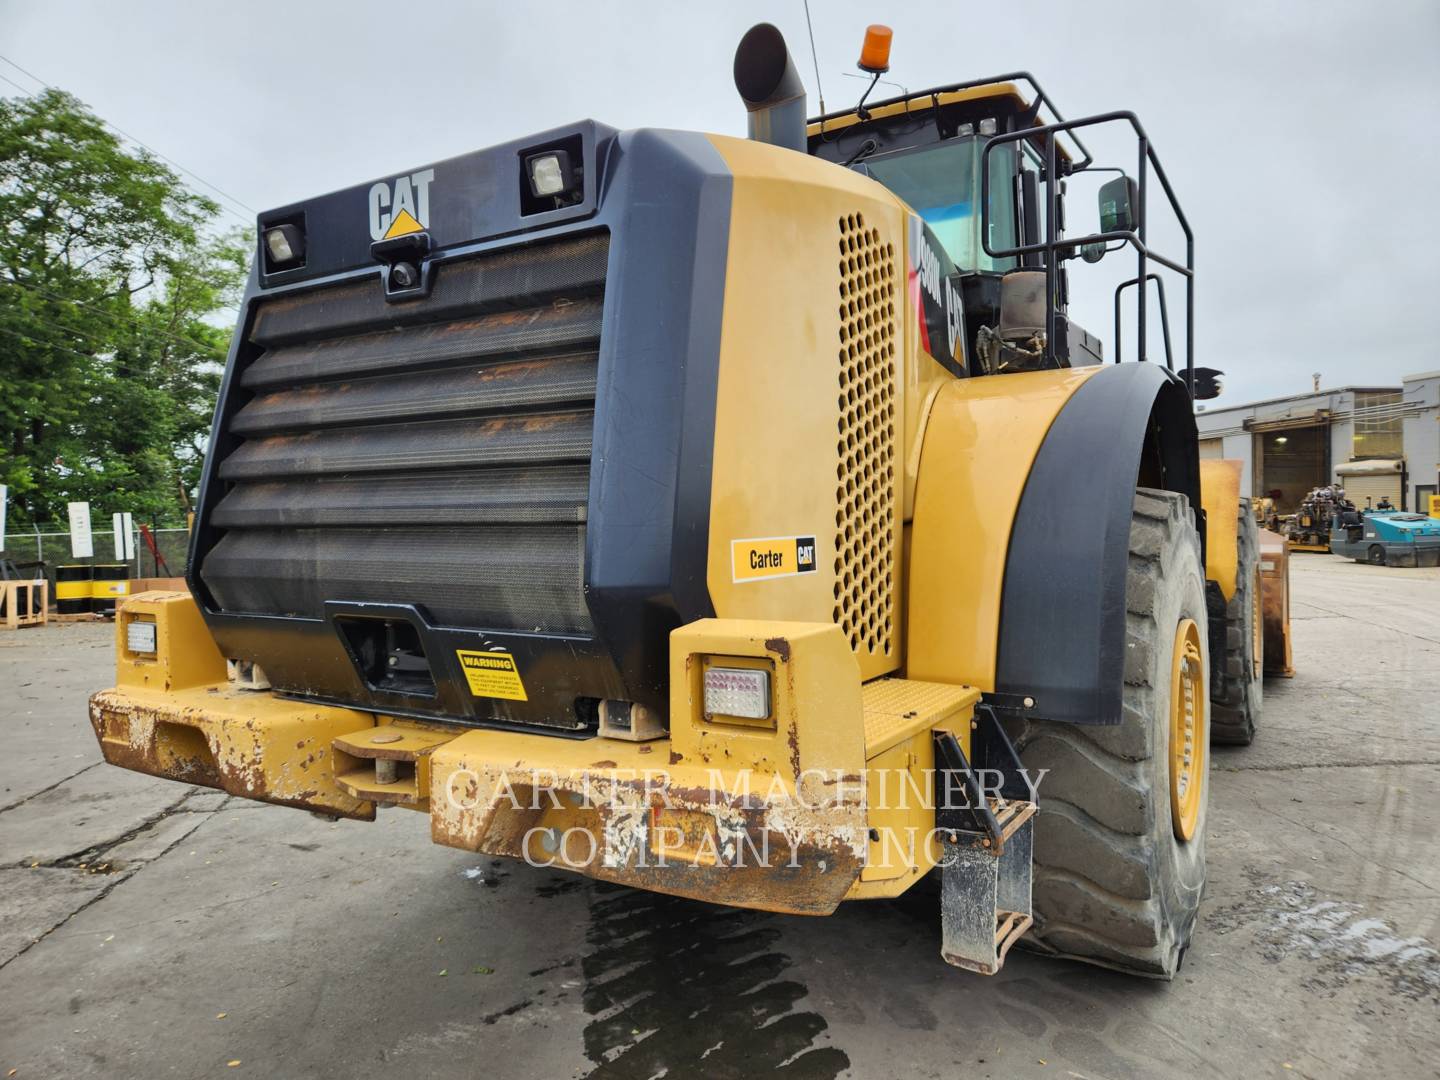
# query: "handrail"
x,y
1052,244
1164,317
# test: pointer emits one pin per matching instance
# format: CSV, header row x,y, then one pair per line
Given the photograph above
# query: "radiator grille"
x,y
442,460
864,494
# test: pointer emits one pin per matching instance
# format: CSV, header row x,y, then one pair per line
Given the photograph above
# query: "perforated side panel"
x,y
865,473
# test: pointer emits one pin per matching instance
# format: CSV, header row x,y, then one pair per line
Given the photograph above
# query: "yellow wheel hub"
x,y
1187,729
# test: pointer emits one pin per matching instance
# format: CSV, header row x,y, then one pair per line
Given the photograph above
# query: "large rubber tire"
x,y
1237,684
1113,885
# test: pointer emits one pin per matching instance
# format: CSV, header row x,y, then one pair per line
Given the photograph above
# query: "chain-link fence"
x,y
52,547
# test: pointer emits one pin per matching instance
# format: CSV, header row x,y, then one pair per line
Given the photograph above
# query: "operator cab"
x,y
984,165
929,149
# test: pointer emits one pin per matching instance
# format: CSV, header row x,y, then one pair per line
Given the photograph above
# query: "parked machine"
x,y
1267,516
637,502
1309,528
1386,537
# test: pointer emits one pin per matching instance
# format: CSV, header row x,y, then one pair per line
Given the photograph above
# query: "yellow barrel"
x,y
73,585
111,585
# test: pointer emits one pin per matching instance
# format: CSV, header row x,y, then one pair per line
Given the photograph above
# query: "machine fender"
x,y
980,439
1062,616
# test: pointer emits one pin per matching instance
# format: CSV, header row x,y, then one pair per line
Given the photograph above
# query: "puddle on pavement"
x,y
680,988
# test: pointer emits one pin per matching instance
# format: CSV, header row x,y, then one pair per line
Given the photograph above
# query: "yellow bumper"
x,y
827,800
253,745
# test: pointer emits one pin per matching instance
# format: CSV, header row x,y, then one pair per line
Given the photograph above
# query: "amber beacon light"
x,y
875,53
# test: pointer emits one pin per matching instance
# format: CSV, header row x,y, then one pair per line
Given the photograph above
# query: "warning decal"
x,y
492,674
771,557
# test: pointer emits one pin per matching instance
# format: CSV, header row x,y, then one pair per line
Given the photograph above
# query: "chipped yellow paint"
x,y
250,744
409,743
754,816
773,818
175,715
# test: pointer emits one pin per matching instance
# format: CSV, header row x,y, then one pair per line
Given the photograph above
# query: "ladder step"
x,y
985,891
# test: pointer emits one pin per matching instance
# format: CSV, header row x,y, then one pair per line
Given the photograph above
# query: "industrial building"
x,y
1376,441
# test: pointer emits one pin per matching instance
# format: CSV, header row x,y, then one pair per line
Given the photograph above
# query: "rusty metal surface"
x,y
253,745
389,763
1275,603
619,812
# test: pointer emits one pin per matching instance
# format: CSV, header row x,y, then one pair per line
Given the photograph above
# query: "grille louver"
x,y
443,462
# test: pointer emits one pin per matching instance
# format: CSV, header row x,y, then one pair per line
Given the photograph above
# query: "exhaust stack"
x,y
771,88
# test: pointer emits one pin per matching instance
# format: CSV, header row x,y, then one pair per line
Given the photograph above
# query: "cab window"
x,y
941,183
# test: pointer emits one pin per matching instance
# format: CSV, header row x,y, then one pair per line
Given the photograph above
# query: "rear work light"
x,y
284,247
742,692
140,636
550,173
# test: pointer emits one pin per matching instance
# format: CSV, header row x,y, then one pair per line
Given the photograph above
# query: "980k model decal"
x,y
935,299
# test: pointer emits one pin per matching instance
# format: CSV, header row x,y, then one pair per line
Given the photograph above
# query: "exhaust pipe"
x,y
771,88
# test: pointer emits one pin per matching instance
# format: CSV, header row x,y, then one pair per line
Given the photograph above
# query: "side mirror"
x,y
1118,198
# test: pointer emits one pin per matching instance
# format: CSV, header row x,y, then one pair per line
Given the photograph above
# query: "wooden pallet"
x,y
18,601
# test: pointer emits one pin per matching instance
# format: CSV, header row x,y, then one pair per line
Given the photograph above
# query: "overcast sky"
x,y
1300,136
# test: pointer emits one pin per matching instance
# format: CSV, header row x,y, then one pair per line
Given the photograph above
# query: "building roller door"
x,y
1372,481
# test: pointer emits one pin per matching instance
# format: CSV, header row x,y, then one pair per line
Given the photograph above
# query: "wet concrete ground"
x,y
153,930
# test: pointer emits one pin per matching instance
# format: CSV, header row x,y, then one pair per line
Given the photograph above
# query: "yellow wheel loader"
x,y
742,519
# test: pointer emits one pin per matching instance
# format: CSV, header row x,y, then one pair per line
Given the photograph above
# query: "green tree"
x,y
109,272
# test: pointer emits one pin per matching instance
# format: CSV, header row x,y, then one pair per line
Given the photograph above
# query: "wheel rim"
x,y
1187,728
1257,628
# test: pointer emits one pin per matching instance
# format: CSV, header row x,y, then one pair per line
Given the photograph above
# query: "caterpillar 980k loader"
x,y
743,519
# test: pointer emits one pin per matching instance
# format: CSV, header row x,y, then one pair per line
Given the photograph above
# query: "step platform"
x,y
985,889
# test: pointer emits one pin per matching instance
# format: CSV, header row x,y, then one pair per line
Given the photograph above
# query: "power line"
x,y
105,346
125,134
44,344
15,84
114,318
